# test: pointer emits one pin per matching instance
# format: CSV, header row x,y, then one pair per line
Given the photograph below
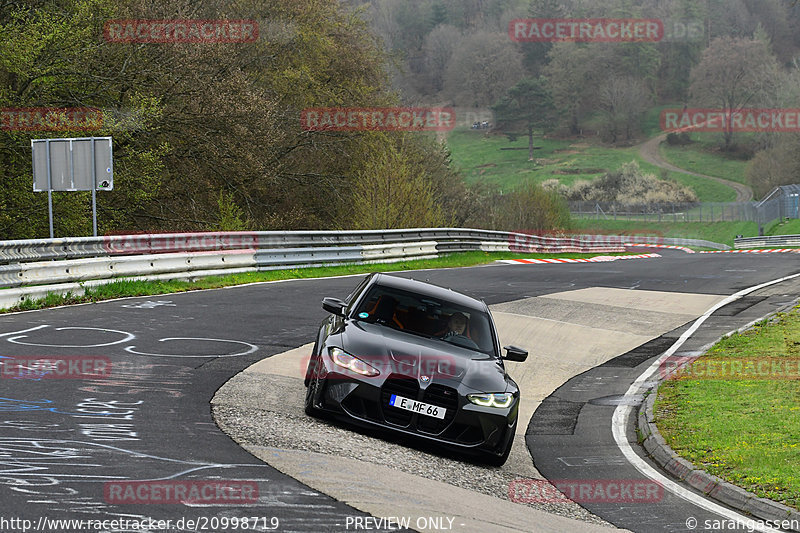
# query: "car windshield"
x,y
428,317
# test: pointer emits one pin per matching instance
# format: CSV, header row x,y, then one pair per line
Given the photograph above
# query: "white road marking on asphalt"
x,y
127,337
252,348
621,413
149,304
23,331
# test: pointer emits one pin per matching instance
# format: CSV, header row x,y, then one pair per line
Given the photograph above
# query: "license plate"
x,y
417,407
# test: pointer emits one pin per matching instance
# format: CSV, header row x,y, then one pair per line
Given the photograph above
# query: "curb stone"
x,y
711,486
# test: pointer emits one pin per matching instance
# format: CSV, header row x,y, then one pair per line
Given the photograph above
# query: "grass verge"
x,y
721,232
745,431
787,227
126,288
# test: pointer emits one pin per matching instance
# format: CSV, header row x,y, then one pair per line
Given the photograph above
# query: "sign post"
x,y
81,164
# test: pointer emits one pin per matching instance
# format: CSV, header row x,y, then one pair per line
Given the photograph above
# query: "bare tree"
x,y
733,74
623,100
437,51
573,74
483,68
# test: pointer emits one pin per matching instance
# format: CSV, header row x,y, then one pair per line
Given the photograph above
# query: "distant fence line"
x,y
763,213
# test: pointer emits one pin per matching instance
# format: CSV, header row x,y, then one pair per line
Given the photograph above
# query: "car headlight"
x,y
351,362
500,400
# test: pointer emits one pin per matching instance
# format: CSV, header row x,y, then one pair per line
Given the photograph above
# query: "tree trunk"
x,y
727,132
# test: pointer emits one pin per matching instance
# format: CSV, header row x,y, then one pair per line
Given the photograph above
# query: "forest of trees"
x,y
443,45
734,53
208,137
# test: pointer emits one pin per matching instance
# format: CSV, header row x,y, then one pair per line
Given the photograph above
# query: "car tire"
x,y
312,390
500,460
311,362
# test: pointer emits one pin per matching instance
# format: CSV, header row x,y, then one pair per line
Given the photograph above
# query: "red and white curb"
x,y
597,259
666,246
754,251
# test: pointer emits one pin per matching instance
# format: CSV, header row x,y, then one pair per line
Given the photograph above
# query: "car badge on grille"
x,y
425,379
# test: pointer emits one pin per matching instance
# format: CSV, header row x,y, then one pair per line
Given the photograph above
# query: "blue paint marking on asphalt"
x,y
11,405
28,376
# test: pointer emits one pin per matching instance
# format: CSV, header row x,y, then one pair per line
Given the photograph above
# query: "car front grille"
x,y
442,396
434,394
401,386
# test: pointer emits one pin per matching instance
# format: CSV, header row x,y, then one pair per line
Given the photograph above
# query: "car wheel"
x,y
500,460
312,361
314,385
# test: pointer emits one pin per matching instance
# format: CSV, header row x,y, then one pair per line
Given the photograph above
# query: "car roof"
x,y
428,289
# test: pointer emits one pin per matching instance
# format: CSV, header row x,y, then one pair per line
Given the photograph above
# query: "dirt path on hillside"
x,y
650,153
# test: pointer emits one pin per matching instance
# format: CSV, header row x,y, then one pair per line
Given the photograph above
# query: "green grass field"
x,y
746,431
705,158
791,227
495,160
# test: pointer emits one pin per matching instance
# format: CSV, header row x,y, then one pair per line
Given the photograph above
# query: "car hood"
x,y
397,352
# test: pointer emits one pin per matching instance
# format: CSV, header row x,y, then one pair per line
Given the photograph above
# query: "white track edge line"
x,y
622,412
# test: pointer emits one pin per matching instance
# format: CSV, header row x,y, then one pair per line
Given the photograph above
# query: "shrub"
x,y
530,208
628,185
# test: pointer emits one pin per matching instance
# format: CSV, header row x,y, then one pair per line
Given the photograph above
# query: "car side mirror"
x,y
515,354
334,306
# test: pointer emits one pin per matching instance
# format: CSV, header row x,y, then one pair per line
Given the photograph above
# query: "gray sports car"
x,y
417,359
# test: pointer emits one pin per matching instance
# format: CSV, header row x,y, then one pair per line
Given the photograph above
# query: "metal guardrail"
x,y
33,268
115,245
79,247
782,241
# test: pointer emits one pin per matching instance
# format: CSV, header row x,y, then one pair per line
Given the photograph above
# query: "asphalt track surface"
x,y
63,440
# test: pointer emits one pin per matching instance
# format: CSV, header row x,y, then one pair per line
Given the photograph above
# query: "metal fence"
x,y
762,213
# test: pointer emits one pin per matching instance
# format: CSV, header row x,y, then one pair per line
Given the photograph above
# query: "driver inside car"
x,y
457,325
